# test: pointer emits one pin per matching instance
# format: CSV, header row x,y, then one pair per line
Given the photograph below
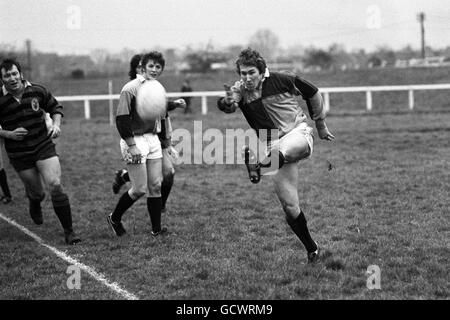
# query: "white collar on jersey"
x,y
25,82
140,77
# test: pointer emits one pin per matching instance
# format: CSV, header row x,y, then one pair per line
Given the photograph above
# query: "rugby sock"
x,y
300,228
61,205
4,184
166,186
124,203
154,210
36,210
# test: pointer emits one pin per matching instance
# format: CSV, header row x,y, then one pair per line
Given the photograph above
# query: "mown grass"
x,y
385,202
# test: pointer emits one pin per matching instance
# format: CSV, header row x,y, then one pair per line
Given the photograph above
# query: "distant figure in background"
x,y
186,87
29,145
6,197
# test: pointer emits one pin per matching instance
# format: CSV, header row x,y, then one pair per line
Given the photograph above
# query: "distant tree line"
x,y
205,58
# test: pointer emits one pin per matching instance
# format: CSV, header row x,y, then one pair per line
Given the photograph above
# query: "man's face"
x,y
12,79
250,76
152,70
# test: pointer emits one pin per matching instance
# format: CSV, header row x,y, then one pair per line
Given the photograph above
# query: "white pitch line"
x,y
96,275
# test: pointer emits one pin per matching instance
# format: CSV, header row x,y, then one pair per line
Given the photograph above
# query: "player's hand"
x,y
136,155
229,100
55,131
18,134
230,104
180,103
323,131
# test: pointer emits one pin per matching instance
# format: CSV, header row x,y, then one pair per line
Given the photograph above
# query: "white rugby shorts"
x,y
288,144
148,144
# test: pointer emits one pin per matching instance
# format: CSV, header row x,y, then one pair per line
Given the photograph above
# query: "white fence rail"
x,y
325,92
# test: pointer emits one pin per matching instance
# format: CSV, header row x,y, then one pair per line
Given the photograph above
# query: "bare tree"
x,y
266,42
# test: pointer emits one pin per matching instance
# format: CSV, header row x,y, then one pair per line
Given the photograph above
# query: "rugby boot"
x,y
70,237
253,166
117,227
314,256
161,232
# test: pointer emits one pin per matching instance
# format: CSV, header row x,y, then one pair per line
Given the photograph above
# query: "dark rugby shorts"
x,y
29,161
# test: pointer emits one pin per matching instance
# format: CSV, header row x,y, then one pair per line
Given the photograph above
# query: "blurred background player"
x,y
141,147
29,145
268,101
6,197
186,87
122,176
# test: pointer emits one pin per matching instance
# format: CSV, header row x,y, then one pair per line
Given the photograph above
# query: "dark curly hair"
x,y
156,56
7,64
250,57
134,63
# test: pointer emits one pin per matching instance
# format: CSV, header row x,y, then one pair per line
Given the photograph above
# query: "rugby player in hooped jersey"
x,y
268,101
29,144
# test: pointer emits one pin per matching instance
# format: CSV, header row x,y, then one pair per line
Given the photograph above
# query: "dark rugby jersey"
x,y
275,105
29,113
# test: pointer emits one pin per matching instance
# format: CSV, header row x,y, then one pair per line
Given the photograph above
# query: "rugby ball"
x,y
151,101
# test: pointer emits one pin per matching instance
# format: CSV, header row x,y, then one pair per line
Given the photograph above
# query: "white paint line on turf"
x,y
97,276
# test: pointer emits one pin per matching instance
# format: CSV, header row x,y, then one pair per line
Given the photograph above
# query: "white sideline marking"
x,y
97,276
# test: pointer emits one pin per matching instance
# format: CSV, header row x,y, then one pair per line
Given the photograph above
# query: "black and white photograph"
x,y
225,156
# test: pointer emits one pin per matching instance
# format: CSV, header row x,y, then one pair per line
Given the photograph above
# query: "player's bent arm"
x,y
165,135
227,108
5,134
123,123
315,107
317,113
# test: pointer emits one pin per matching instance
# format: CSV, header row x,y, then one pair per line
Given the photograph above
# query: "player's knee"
x,y
35,196
290,209
59,198
136,193
54,184
154,188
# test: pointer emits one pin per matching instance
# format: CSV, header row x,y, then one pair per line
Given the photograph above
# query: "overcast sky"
x,y
78,26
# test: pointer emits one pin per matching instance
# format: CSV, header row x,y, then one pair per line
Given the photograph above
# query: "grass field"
x,y
385,202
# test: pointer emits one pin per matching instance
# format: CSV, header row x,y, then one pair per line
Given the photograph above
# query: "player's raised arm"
x,y
228,104
317,112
